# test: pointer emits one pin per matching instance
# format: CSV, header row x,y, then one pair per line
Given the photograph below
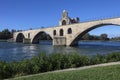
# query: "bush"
x,y
40,63
74,60
58,61
97,59
113,57
77,60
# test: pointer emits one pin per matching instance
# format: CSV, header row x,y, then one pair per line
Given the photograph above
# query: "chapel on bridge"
x,y
66,20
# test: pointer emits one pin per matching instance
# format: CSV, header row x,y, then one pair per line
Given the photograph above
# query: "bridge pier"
x,y
59,41
26,41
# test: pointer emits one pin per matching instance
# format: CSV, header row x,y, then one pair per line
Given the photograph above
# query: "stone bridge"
x,y
67,33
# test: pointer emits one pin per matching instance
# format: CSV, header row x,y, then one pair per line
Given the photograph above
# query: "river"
x,y
18,51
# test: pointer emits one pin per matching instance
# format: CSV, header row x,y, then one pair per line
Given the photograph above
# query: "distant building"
x,y
65,20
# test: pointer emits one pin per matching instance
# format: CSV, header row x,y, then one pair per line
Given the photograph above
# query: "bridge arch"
x,y
41,36
20,37
81,34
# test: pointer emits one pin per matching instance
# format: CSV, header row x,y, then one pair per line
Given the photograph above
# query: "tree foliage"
x,y
87,36
103,37
6,34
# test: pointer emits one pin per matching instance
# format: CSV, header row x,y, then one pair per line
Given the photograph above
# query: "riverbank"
x,y
107,71
58,61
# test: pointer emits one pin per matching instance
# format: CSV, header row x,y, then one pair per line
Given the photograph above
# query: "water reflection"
x,y
19,51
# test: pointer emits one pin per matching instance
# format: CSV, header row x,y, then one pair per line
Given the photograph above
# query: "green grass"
x,y
98,73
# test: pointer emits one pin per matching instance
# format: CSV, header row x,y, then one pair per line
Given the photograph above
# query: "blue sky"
x,y
26,14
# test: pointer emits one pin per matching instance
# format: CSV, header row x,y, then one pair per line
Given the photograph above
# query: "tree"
x,y
87,36
5,34
104,37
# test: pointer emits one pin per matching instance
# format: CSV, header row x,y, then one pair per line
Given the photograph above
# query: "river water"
x,y
18,51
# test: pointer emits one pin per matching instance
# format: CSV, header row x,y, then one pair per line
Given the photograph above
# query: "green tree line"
x,y
95,37
6,34
116,38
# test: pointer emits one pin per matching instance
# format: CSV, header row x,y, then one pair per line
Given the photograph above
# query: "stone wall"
x,y
58,41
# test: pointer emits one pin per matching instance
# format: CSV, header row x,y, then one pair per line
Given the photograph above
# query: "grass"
x,y
98,73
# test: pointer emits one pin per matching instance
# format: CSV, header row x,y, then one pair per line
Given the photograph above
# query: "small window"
x,y
63,22
69,31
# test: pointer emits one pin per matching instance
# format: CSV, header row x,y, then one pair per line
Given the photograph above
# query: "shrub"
x,y
113,57
85,60
58,61
74,60
97,59
40,63
6,70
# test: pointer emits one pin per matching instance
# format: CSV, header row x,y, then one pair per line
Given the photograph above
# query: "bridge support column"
x,y
26,41
59,41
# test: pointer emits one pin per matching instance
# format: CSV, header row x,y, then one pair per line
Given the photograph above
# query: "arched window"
x,y
63,22
61,32
54,32
69,31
